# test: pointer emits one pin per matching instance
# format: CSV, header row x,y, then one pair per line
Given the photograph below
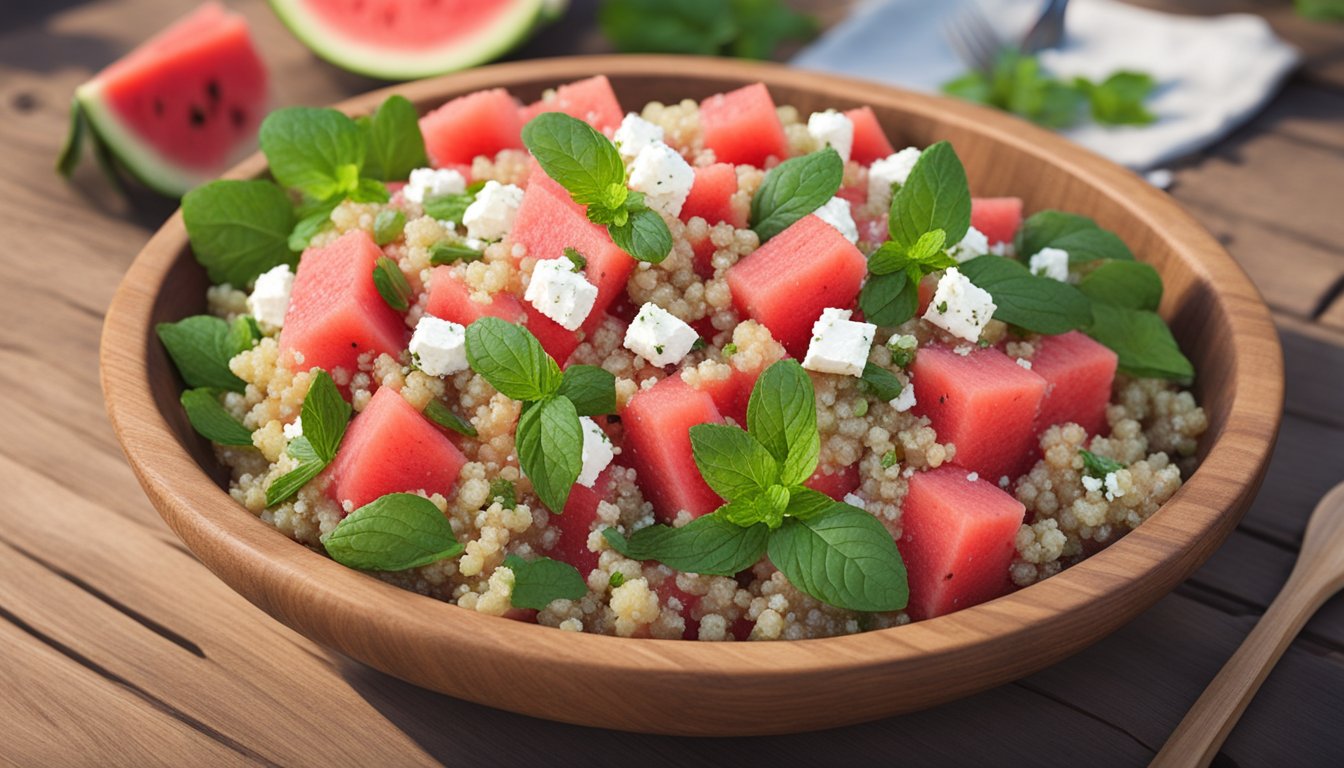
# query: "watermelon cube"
x,y
837,483
390,447
657,434
786,283
1078,373
731,394
870,141
576,522
558,341
957,540
742,127
335,313
450,299
480,123
984,403
997,217
711,196
590,100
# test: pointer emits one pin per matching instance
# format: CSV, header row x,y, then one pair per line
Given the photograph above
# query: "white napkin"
x,y
1213,73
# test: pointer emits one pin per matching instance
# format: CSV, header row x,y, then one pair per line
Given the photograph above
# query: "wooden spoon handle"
x,y
1197,739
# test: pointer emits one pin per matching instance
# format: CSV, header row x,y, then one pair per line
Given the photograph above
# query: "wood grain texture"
x,y
741,688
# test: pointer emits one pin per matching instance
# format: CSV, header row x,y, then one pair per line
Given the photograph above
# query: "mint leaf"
x,y
1129,284
935,196
1016,84
592,390
238,229
244,333
743,28
504,492
843,557
731,461
782,416
1142,341
370,191
441,414
764,24
393,533
201,347
511,359
550,448
210,419
288,484
392,284
882,383
1118,100
388,226
539,582
926,255
1098,466
315,218
644,236
1078,235
710,545
807,503
793,189
889,299
317,151
573,153
576,259
752,508
1038,304
393,145
445,252
325,415
929,247
449,207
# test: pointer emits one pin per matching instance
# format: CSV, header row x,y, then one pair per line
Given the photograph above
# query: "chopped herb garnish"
x,y
1098,466
540,581
392,284
388,226
889,459
881,382
210,419
325,415
617,579
201,347
729,350
504,492
439,413
576,258
445,252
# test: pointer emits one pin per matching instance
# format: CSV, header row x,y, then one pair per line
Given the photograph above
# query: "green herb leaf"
x,y
1078,235
732,462
393,145
935,196
807,503
201,347
743,28
843,557
317,151
511,359
325,415
550,448
1038,304
573,153
388,226
1016,84
393,533
244,333
288,484
764,24
710,545
592,390
1143,342
449,207
782,416
210,419
889,300
1098,466
370,191
445,252
927,255
74,141
238,229
617,579
392,284
881,382
644,236
315,218
1129,284
1118,100
504,492
576,259
539,582
793,189
753,508
441,414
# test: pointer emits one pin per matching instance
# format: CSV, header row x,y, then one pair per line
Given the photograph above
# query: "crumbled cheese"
x,y
839,345
425,183
439,347
659,336
560,293
490,216
836,212
1004,481
834,129
270,296
906,400
972,245
1024,362
855,500
959,306
972,477
1091,483
597,452
635,134
890,171
1050,262
294,430
1113,489
664,176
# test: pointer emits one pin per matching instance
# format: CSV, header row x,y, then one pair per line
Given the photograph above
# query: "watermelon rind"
x,y
138,157
513,24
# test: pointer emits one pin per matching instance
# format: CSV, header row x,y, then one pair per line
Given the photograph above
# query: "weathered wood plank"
x,y
1313,358
1307,462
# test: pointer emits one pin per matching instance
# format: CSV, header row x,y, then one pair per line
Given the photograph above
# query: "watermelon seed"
x,y
197,116
238,117
158,107
212,91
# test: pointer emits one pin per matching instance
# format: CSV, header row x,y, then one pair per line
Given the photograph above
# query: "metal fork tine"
x,y
973,38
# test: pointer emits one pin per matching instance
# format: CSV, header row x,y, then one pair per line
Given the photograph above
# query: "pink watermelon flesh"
x,y
450,299
836,484
1078,373
982,402
391,448
335,313
997,217
711,196
558,342
731,394
956,541
398,24
657,434
688,605
590,100
741,126
786,283
480,123
870,141
576,523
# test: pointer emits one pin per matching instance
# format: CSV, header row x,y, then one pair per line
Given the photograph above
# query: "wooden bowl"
x,y
680,687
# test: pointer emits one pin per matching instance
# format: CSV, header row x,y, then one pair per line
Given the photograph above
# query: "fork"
x,y
975,42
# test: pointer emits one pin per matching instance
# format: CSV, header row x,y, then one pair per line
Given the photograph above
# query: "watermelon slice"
x,y
837,483
590,100
576,522
1078,372
956,541
409,39
741,126
179,109
450,299
480,123
997,217
870,141
711,195
657,423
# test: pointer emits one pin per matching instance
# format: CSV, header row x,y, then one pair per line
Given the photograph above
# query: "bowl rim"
x,y
326,601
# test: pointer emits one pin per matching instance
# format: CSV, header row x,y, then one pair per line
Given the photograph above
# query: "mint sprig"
x,y
393,145
750,29
239,229
793,189
1035,303
201,347
880,381
844,557
393,533
1079,235
210,419
325,415
391,284
540,581
550,444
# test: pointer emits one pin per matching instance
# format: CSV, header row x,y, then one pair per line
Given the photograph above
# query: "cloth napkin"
x,y
1213,73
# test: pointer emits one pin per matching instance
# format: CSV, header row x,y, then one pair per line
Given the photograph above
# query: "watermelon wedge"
x,y
178,110
410,39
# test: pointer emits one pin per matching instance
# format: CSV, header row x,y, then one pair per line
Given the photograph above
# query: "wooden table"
x,y
119,648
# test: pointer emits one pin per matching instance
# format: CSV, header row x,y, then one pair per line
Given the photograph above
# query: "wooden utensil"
x,y
1318,574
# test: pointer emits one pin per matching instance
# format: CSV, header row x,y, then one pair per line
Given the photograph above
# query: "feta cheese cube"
x,y
1091,483
270,297
1024,363
890,171
833,129
906,400
1050,262
425,183
490,216
597,452
836,212
839,345
295,430
635,134
560,293
972,245
659,336
959,306
1113,489
439,347
855,500
664,176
